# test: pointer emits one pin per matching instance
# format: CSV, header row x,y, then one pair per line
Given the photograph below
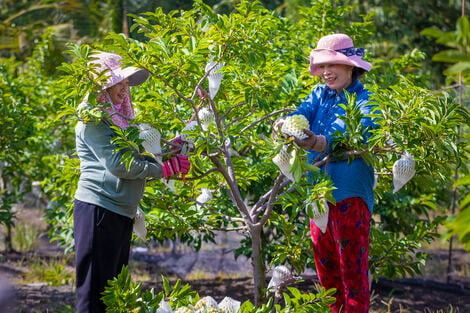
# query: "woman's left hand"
x,y
307,143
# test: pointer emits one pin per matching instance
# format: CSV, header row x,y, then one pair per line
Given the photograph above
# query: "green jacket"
x,y
104,181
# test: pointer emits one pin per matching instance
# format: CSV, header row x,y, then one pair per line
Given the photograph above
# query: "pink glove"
x,y
178,141
175,165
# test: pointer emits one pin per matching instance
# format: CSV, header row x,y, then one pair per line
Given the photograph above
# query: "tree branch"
x,y
231,108
265,117
224,216
270,204
233,188
252,111
190,100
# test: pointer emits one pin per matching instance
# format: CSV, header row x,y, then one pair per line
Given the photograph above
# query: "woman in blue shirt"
x,y
341,253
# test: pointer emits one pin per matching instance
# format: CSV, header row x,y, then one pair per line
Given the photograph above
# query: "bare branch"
x,y
252,111
259,204
265,117
190,100
216,117
224,216
206,173
233,190
232,107
176,113
270,204
243,229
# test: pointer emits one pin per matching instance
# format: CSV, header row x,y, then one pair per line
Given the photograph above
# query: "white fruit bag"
x,y
206,117
206,302
283,160
280,274
214,77
139,225
319,218
164,307
205,196
229,305
189,127
151,140
294,125
403,171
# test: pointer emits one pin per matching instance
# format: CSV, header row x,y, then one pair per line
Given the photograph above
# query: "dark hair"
x,y
356,73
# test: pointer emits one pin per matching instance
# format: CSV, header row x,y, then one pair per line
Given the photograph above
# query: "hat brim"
x,y
323,56
135,75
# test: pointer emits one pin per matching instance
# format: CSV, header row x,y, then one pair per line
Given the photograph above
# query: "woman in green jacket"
x,y
108,193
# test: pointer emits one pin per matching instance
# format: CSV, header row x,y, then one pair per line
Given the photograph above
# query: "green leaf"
x,y
166,286
295,292
432,32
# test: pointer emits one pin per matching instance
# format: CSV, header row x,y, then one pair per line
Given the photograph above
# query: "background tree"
x,y
30,100
458,77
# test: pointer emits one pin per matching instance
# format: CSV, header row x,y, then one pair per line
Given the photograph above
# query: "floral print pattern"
x,y
341,254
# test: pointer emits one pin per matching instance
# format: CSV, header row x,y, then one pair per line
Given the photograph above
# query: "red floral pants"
x,y
341,254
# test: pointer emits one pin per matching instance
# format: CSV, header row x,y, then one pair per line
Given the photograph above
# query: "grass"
x,y
53,272
200,274
25,236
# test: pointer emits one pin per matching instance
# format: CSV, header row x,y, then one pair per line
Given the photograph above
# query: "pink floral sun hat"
x,y
337,49
116,73
120,113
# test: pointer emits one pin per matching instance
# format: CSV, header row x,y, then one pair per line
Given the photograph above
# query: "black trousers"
x,y
102,244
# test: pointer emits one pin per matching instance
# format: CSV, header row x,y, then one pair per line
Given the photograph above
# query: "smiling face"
x,y
119,91
336,76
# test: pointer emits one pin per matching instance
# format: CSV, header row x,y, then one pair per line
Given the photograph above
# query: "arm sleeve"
x,y
98,138
309,107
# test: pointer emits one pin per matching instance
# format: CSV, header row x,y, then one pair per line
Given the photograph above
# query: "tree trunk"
x,y
125,28
8,240
259,276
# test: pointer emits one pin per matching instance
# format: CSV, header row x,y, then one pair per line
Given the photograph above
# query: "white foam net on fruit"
x,y
294,125
204,197
151,139
206,117
319,218
184,310
229,305
403,171
214,77
280,274
164,307
283,160
206,302
139,225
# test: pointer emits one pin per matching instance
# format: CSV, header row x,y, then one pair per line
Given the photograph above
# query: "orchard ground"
x,y
211,271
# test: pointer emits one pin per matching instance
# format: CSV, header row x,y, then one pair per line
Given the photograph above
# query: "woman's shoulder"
x,y
93,128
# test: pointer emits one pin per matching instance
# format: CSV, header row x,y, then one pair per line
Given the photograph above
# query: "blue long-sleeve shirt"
x,y
321,110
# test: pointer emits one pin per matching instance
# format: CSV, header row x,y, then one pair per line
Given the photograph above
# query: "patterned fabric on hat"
x,y
112,63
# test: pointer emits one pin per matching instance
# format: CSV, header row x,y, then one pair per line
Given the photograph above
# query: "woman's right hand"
x,y
175,165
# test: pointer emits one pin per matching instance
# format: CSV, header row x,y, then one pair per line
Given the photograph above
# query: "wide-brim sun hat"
x,y
337,49
116,73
